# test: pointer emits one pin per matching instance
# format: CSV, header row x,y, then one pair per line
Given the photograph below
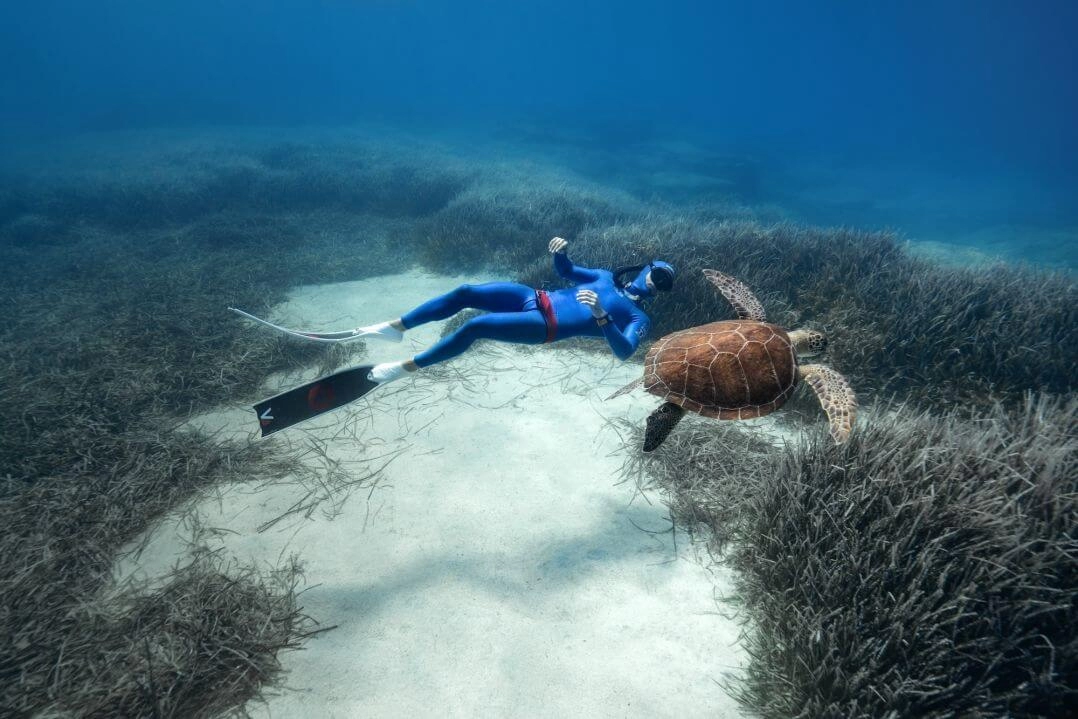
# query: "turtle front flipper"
x,y
836,397
660,423
737,294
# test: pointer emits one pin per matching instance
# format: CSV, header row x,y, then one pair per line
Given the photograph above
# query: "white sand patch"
x,y
497,565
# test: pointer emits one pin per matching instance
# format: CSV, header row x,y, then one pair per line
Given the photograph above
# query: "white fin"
x,y
386,372
382,331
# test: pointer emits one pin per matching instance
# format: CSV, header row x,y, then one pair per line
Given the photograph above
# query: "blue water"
x,y
952,122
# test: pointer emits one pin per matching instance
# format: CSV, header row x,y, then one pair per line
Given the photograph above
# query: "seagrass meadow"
x,y
925,568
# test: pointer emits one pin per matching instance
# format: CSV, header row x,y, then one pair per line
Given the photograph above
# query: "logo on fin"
x,y
321,397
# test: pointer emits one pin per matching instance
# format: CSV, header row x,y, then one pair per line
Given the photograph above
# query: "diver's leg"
x,y
490,296
519,327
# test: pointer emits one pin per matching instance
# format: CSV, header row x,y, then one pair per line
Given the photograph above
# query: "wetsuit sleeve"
x,y
574,273
624,342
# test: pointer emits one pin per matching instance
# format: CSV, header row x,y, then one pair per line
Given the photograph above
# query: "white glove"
x,y
558,245
589,298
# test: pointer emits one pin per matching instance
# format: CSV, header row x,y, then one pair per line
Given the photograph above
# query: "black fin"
x,y
313,399
660,423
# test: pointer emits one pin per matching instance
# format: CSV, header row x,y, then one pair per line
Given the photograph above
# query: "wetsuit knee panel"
x,y
525,327
480,327
463,293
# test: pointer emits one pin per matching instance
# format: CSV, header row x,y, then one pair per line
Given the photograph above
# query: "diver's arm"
x,y
565,267
623,342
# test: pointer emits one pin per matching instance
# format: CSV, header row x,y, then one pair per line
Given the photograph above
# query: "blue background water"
x,y
952,121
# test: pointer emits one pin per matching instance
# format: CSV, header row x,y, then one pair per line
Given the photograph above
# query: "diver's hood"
x,y
662,276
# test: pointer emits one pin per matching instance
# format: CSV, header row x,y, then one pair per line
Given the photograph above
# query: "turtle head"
x,y
808,343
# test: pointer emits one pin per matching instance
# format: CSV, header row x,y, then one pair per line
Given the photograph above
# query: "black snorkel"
x,y
619,275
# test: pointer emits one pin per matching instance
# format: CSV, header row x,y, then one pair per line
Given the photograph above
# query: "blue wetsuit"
x,y
514,314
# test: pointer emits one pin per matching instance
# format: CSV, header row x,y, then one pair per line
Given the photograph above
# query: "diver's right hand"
x,y
558,245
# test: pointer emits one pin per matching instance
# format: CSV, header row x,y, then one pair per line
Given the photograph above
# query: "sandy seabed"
x,y
496,562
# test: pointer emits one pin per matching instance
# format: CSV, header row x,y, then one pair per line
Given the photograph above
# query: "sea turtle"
x,y
738,369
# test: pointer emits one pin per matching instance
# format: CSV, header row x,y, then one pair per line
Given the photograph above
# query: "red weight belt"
x,y
542,299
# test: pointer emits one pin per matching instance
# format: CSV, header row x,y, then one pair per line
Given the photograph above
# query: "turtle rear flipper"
x,y
628,388
836,397
660,423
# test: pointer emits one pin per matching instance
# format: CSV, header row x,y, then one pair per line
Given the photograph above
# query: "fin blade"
x,y
342,336
310,400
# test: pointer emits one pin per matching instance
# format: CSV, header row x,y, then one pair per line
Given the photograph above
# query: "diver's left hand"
x,y
589,298
558,246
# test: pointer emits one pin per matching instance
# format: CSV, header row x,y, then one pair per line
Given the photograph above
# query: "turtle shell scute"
x,y
728,370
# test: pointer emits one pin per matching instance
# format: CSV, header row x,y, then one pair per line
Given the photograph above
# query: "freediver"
x,y
602,304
